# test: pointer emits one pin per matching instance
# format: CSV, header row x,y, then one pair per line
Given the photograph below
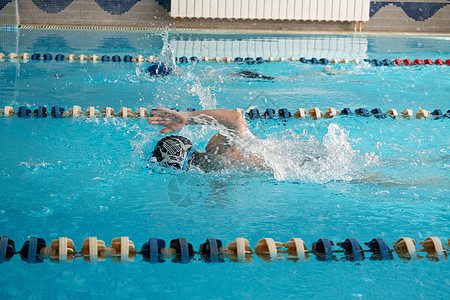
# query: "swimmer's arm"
x,y
174,121
229,118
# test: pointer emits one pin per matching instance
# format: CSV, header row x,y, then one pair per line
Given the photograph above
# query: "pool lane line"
x,y
122,249
251,114
25,57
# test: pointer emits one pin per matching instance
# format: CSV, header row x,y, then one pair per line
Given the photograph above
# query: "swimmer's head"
x,y
159,69
175,151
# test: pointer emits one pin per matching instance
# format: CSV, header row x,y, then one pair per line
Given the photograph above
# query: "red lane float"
x,y
438,62
418,61
407,62
428,61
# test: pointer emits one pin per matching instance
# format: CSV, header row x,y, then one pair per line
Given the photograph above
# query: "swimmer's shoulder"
x,y
210,162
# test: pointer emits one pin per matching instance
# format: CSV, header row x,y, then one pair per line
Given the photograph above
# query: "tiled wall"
x,y
139,13
409,16
8,13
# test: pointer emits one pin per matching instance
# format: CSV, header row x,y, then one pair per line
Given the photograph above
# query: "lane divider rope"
x,y
122,249
248,60
252,114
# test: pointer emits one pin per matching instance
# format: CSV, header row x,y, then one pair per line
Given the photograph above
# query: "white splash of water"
x,y
167,55
301,157
207,98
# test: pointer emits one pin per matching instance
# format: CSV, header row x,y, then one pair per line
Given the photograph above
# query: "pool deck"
x,y
235,31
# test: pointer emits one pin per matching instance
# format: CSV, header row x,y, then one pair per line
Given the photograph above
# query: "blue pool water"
x,y
89,177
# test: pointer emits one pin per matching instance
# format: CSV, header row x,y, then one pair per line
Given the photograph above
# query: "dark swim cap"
x,y
159,69
175,151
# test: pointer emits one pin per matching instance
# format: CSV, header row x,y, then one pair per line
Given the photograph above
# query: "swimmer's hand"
x,y
172,120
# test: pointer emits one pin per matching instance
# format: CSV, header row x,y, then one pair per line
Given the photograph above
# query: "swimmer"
x,y
329,71
250,74
159,69
221,151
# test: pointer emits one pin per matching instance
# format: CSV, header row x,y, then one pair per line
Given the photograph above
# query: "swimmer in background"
x,y
161,70
252,75
329,71
220,153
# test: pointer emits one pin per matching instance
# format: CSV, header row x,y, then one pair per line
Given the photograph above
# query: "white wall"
x,y
321,10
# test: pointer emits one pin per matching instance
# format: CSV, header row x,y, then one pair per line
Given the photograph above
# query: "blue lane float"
x,y
376,62
209,251
387,62
269,113
380,249
253,113
346,111
183,250
259,60
323,249
30,251
40,112
105,58
35,56
249,61
151,250
127,58
57,112
183,60
7,249
353,249
362,112
116,58
378,113
238,59
437,114
284,113
24,112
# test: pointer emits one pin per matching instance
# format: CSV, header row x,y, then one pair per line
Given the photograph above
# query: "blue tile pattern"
x,y
165,4
3,3
116,7
52,6
419,11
